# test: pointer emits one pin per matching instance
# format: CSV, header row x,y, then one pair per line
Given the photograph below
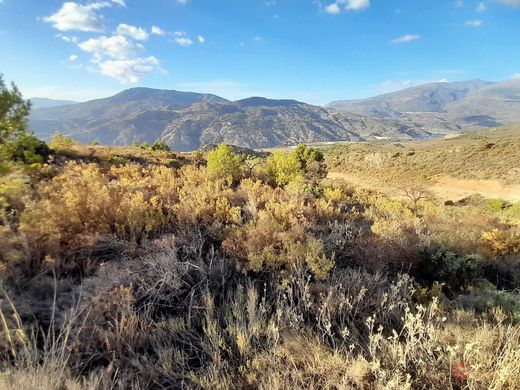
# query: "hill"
x,y
485,162
265,123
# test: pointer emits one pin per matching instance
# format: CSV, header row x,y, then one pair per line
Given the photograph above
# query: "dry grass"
x,y
145,274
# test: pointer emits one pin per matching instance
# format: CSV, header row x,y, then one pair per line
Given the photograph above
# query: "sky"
x,y
315,51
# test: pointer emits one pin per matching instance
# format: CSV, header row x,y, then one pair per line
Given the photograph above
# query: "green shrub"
x,y
24,149
224,162
496,205
283,168
161,146
61,143
454,270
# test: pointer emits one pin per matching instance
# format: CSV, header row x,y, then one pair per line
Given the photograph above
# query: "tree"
x,y
303,163
14,111
416,190
16,144
224,162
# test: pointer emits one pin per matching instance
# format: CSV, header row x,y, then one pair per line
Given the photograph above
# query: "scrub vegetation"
x,y
139,268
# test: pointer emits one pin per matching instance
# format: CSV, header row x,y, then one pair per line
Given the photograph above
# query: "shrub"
x,y
223,162
455,271
161,146
61,143
496,205
283,169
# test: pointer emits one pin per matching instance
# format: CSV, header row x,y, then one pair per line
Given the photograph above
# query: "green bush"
x,y
454,270
161,146
224,162
61,143
303,162
496,205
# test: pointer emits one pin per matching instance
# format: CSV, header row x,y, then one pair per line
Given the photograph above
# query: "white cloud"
x,y
357,4
348,5
516,76
119,2
73,57
201,39
158,31
406,38
481,7
129,71
183,1
514,3
184,41
74,16
258,39
131,31
116,46
473,23
68,39
333,9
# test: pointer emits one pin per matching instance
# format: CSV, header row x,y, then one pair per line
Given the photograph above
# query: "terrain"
x,y
188,121
134,267
483,162
445,107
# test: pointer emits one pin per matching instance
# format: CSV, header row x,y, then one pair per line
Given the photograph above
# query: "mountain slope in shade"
x,y
127,113
37,103
262,123
432,97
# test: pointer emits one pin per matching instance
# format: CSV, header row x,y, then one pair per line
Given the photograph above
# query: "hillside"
x,y
445,107
137,113
264,123
432,97
485,162
188,121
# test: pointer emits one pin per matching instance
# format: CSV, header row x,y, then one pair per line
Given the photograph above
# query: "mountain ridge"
x,y
189,120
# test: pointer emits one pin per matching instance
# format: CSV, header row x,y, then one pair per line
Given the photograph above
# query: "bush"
x,y
61,143
161,146
443,266
25,149
224,162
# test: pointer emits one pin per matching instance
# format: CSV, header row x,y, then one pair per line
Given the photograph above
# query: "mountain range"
x,y
187,121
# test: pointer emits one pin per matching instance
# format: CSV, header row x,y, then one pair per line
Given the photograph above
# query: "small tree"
x,y
224,162
416,190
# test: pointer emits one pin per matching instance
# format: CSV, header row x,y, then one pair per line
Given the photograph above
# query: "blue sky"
x,y
314,51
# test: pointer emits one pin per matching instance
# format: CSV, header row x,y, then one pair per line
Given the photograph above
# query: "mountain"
x,y
432,97
48,103
188,121
134,114
264,123
444,107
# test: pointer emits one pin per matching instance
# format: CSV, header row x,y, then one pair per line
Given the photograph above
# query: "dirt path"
x,y
448,187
